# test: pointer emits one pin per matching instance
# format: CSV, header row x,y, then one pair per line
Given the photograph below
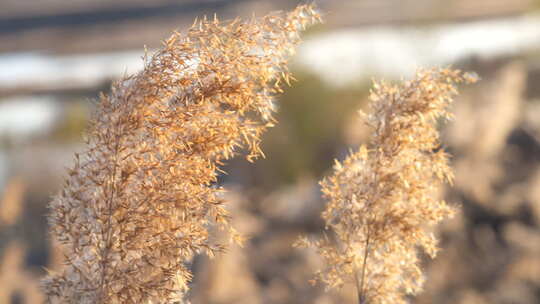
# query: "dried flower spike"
x,y
382,198
139,202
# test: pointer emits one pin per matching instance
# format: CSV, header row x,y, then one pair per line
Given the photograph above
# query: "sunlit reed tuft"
x,y
382,199
138,204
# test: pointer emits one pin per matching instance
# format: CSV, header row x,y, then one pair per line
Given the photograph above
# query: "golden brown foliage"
x,y
382,198
138,204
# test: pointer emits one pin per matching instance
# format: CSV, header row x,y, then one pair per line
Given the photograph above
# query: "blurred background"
x,y
56,56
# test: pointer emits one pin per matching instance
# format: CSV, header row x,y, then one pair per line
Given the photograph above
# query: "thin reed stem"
x,y
361,287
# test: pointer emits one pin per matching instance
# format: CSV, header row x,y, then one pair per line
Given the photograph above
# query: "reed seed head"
x,y
139,202
382,198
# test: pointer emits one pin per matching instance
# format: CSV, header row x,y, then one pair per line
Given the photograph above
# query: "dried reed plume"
x,y
382,198
139,202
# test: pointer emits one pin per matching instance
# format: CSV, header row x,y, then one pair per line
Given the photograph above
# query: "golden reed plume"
x,y
382,198
137,205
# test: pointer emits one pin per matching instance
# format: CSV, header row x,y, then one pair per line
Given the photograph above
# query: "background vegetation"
x,y
490,250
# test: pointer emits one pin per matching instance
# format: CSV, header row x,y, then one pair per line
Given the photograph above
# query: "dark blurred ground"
x,y
491,251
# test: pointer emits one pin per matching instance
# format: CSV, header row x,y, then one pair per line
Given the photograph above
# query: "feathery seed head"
x,y
381,198
139,202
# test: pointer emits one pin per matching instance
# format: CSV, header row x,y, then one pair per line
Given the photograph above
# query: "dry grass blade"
x,y
11,202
